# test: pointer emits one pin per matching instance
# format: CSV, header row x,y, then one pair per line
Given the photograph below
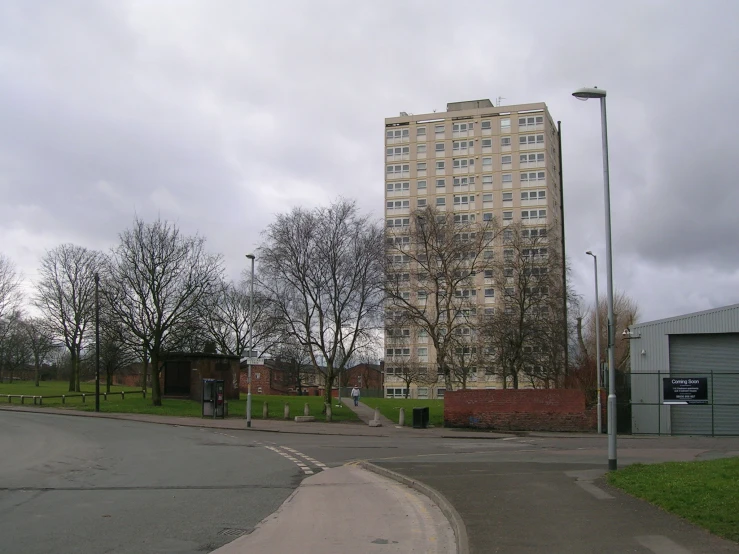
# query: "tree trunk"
x,y
107,380
72,365
77,387
146,371
156,393
37,363
327,398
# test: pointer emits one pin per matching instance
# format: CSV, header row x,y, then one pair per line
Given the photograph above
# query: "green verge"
x,y
705,493
390,408
135,403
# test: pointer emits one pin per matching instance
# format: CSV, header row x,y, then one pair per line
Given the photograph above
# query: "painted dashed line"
x,y
295,457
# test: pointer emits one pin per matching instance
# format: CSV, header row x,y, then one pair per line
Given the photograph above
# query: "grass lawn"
x,y
134,403
704,493
390,408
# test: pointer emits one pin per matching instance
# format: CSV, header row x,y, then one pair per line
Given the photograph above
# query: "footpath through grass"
x,y
135,403
390,408
704,493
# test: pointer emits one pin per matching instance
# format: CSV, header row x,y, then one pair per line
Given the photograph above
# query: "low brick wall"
x,y
519,410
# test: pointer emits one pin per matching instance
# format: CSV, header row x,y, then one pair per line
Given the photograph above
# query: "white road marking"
x,y
286,453
659,544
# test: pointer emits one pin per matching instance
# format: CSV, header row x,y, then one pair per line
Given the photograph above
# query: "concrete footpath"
x,y
351,510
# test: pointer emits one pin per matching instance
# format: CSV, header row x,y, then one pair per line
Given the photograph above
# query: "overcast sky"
x,y
217,115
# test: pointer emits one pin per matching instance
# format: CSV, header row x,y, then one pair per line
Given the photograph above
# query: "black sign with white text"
x,y
685,390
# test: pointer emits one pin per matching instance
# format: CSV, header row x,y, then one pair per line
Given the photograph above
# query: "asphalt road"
x,y
75,484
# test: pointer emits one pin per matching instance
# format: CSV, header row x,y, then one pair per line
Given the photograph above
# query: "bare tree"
x,y
322,270
226,319
626,313
300,370
156,280
15,351
435,261
65,295
40,341
525,333
10,288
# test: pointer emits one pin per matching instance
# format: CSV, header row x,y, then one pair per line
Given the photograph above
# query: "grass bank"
x,y
704,493
390,408
134,403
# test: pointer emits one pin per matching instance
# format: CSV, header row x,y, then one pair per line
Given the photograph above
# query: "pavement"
x,y
542,493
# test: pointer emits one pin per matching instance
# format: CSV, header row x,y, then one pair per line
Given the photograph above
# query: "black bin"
x,y
420,418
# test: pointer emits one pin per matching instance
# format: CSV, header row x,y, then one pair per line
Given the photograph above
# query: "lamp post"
x,y
585,94
597,338
251,343
97,342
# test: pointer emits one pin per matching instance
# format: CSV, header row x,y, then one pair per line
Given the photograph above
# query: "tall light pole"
x,y
97,342
585,94
597,338
251,343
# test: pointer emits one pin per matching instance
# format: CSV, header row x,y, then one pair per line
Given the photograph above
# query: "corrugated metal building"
x,y
669,356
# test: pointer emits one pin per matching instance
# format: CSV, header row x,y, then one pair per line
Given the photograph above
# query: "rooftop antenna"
x,y
498,100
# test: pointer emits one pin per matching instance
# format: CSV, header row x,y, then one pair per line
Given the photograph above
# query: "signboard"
x,y
255,361
685,390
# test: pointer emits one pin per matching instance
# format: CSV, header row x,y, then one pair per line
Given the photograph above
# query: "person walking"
x,y
355,395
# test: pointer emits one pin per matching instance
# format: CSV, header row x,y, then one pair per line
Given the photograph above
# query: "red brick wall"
x,y
519,410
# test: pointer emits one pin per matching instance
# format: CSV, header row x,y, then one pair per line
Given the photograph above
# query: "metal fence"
x,y
707,404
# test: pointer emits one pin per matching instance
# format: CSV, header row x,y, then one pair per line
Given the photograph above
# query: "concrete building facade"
x,y
481,162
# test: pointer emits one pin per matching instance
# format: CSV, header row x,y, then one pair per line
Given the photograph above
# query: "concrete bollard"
x,y
123,395
328,412
40,400
287,410
64,399
401,417
83,398
377,414
265,410
105,396
306,409
9,400
23,399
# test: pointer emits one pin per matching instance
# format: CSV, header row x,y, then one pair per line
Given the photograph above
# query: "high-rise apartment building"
x,y
481,163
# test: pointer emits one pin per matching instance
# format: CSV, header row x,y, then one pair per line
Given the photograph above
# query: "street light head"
x,y
586,93
589,253
250,256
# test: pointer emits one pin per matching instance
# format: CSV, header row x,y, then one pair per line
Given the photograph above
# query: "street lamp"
x,y
597,338
251,343
97,342
585,94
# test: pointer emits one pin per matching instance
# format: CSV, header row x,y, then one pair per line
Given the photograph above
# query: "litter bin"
x,y
420,418
214,397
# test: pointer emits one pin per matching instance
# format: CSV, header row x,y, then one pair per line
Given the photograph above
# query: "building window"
x,y
487,216
505,125
421,185
421,149
533,195
530,122
421,132
487,163
441,183
489,293
440,166
439,146
441,201
464,218
488,275
487,179
533,177
507,196
486,124
505,141
439,130
423,351
421,203
530,140
505,160
487,197
507,178
507,216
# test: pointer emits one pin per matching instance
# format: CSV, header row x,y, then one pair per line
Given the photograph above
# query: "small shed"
x,y
183,373
685,374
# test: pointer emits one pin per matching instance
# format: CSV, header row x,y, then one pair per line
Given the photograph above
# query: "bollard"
x,y
306,409
64,399
328,412
123,395
265,411
9,400
40,400
23,399
143,391
83,398
401,417
105,396
287,410
377,414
